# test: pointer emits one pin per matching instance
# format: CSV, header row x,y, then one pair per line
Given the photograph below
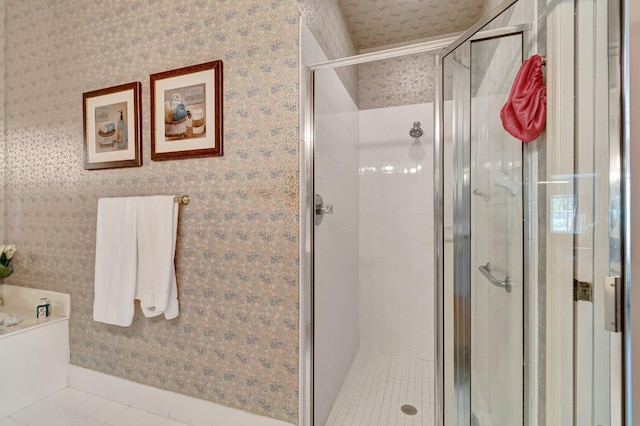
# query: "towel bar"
x,y
182,200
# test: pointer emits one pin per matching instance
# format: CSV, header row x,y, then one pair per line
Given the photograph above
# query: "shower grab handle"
x,y
486,271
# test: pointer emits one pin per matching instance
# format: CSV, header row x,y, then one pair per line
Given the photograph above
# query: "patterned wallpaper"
x,y
490,4
393,82
327,24
406,80
377,23
326,21
236,339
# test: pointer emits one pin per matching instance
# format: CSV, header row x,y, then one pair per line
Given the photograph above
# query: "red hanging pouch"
x,y
525,114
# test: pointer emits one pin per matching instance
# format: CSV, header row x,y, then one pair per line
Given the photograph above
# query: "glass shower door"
x,y
497,238
483,237
597,225
533,315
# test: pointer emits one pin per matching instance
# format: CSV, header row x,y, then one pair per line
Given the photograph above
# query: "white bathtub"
x,y
34,355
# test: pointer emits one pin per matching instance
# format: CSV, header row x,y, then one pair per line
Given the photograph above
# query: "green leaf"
x,y
5,271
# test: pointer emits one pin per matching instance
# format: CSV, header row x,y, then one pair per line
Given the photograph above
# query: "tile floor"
x,y
72,407
373,392
377,385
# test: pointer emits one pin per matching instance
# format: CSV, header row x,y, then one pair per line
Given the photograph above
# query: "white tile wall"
x,y
396,232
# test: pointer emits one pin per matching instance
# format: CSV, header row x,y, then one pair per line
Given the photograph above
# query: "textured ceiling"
x,y
375,23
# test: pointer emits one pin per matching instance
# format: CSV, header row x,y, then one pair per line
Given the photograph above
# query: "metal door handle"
x,y
321,209
324,209
613,304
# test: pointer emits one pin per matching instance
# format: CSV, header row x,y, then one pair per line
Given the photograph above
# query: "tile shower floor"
x,y
377,385
73,407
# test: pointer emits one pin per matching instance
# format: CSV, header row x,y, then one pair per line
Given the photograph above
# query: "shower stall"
x,y
370,174
453,274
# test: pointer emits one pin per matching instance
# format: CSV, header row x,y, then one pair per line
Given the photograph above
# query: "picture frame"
x,y
186,112
112,129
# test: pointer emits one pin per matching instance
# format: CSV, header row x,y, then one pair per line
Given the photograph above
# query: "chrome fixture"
x,y
486,271
409,410
321,209
185,199
416,131
484,195
613,304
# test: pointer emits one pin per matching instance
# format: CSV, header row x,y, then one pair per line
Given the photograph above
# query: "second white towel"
x,y
156,287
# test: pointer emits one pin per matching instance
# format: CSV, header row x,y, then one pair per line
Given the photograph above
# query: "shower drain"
x,y
409,410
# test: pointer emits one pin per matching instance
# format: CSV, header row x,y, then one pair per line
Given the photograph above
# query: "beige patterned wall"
x,y
236,339
406,80
393,82
490,4
409,80
327,24
377,23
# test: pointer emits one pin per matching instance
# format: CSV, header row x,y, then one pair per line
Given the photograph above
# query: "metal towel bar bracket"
x,y
182,200
486,271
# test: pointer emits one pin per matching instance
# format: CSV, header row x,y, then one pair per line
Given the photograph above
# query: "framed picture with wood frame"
x,y
186,112
112,130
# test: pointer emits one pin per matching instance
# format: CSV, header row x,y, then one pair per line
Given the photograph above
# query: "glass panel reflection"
x,y
497,237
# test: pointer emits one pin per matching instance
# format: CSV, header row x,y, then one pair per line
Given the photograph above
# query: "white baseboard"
x,y
164,403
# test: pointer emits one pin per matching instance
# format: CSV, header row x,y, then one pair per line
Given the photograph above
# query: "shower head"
x,y
416,131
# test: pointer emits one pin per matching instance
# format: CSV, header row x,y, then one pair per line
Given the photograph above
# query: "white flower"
x,y
9,250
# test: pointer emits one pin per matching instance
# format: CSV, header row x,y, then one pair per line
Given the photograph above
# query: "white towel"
x,y
116,261
135,250
157,289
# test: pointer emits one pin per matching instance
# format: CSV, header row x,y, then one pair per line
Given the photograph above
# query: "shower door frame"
x,y
462,293
307,192
557,32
